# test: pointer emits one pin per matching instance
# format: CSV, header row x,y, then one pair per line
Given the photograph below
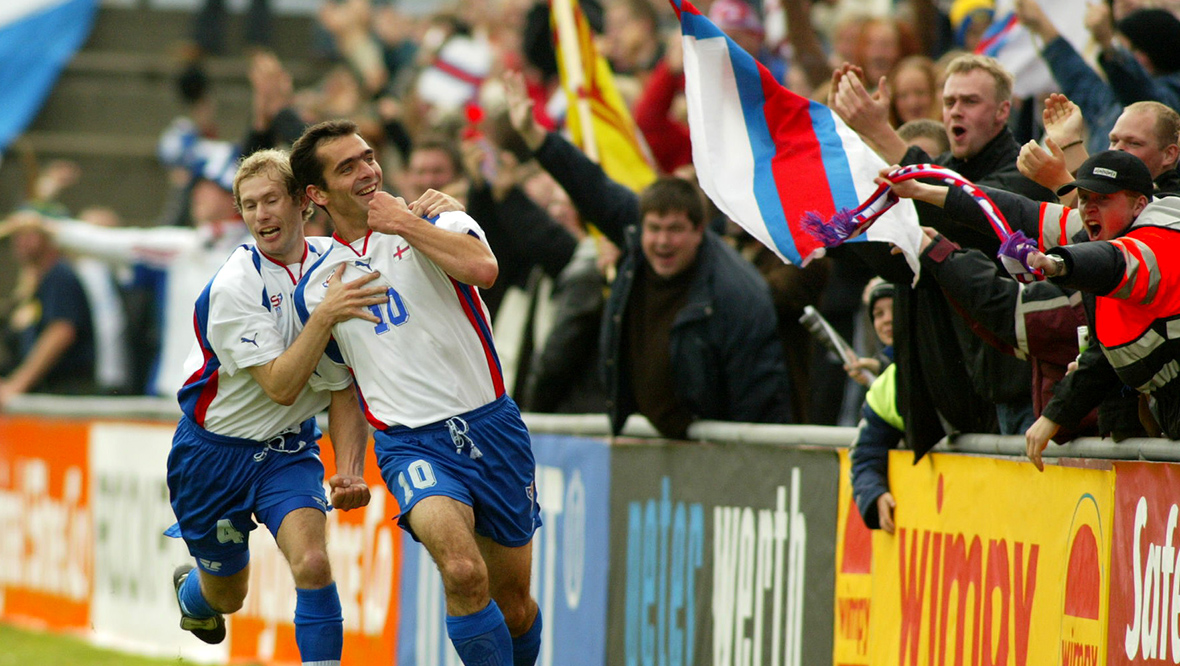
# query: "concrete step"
x,y
125,93
132,104
163,31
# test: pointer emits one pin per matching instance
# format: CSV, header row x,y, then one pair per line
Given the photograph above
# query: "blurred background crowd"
x,y
96,295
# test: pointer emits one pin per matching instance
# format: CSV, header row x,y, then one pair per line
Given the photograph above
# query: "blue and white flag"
x,y
37,39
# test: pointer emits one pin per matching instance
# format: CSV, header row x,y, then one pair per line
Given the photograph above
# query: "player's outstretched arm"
x,y
283,378
350,435
464,257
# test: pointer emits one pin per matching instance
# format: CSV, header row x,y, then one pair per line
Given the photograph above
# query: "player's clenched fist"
x,y
389,214
348,492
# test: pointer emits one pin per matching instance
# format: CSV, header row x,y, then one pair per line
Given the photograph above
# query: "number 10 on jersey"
x,y
393,314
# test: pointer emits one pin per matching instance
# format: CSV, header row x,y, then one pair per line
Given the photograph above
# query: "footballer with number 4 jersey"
x,y
450,442
246,446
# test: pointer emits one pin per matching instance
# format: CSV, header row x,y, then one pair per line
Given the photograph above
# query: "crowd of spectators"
x,y
619,302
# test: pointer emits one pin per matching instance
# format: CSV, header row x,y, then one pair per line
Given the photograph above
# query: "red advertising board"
x,y
1145,580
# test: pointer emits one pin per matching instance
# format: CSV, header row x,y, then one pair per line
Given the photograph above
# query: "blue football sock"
x,y
191,600
319,625
527,646
482,638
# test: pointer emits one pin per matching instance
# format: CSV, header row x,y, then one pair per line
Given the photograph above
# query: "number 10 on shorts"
x,y
421,476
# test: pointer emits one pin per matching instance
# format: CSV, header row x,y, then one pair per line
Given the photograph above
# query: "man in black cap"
x,y
1132,270
1128,264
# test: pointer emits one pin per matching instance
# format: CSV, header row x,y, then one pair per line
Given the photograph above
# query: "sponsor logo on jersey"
x,y
211,566
253,341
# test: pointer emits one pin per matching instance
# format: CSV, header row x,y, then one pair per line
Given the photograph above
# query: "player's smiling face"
x,y
274,217
352,175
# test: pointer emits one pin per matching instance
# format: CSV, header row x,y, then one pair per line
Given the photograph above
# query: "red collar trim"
x,y
302,261
364,248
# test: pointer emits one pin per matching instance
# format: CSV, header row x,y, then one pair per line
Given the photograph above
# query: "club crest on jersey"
x,y
400,251
276,300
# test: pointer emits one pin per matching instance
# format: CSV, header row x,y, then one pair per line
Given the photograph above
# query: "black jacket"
x,y
945,369
724,346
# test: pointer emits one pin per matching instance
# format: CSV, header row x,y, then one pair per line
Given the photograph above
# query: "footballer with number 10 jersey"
x,y
432,355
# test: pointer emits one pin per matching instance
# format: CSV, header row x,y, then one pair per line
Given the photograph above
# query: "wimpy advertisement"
x,y
854,578
993,563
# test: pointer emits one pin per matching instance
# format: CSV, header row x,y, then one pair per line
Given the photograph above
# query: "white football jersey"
x,y
432,356
244,318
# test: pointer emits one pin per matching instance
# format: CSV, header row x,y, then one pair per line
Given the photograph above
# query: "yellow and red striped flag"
x,y
599,121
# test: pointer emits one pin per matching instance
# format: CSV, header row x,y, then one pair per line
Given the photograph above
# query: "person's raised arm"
x,y
609,205
1044,167
1036,20
808,51
867,114
520,111
284,377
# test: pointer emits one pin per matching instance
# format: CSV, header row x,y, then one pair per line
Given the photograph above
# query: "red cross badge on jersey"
x,y
400,251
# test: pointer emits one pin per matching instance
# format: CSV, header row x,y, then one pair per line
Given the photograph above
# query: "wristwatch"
x,y
1060,268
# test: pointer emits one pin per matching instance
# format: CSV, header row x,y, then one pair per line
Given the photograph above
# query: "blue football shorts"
x,y
218,485
483,458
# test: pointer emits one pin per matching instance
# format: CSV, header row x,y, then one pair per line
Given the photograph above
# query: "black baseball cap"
x,y
1112,171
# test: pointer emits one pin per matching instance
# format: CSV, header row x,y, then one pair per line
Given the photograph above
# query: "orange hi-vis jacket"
x,y
1137,280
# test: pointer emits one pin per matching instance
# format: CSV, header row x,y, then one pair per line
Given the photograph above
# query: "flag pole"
x,y
574,71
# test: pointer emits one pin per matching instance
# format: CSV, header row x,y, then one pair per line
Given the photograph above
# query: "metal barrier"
x,y
597,425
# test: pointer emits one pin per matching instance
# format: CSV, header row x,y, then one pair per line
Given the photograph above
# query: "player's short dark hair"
x,y
673,195
305,164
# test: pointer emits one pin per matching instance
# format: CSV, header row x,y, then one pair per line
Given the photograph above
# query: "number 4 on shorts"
x,y
227,533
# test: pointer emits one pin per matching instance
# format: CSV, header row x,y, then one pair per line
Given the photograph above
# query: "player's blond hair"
x,y
274,163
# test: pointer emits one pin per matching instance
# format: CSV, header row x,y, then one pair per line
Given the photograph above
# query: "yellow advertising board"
x,y
993,563
854,580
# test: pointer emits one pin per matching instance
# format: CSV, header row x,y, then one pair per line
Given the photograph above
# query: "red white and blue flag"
x,y
767,157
